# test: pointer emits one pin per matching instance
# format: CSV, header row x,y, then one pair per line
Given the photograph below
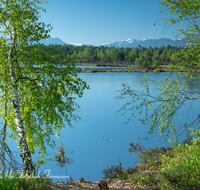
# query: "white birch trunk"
x,y
26,155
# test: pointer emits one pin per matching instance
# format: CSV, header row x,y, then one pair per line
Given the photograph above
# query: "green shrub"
x,y
141,179
182,171
113,172
124,175
148,157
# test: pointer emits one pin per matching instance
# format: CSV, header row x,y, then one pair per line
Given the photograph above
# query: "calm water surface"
x,y
101,138
92,66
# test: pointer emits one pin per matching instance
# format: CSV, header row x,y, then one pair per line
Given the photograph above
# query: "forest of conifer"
x,y
140,56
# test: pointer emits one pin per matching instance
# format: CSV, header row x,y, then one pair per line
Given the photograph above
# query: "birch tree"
x,y
38,85
161,110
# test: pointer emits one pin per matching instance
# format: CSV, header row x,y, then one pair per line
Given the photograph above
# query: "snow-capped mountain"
x,y
148,42
128,43
54,40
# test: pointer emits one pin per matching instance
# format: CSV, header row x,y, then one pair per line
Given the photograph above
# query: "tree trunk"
x,y
26,155
4,127
4,142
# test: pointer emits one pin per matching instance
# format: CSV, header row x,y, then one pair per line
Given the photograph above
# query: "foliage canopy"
x,y
173,91
39,97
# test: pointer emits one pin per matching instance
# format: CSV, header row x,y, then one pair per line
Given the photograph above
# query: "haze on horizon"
x,y
105,21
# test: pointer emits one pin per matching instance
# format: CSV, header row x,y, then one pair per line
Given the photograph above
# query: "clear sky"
x,y
97,22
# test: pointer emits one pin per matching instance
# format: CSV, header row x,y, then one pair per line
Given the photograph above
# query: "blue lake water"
x,y
101,138
93,66
99,67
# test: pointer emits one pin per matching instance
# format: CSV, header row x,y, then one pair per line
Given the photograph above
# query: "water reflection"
x,y
99,67
82,66
101,137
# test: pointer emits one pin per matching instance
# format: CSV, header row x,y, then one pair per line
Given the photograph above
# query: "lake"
x,y
99,67
101,138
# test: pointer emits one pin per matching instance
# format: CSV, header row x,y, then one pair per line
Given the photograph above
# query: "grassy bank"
x,y
175,167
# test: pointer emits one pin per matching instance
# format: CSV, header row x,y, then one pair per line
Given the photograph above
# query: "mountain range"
x,y
148,42
53,40
128,43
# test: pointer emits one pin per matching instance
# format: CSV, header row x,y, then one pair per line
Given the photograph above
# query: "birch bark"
x,y
26,155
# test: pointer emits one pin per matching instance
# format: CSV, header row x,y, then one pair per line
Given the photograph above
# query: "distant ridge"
x,y
128,43
148,42
53,40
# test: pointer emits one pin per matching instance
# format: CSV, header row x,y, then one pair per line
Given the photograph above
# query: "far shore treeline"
x,y
140,56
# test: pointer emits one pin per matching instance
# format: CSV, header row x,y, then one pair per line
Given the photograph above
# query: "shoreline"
x,y
119,70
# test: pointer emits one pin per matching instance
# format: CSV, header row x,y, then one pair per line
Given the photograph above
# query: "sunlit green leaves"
x,y
184,167
160,111
187,12
47,82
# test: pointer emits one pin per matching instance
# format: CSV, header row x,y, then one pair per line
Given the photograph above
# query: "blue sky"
x,y
98,22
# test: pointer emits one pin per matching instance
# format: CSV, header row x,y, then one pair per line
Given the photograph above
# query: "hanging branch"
x,y
8,160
